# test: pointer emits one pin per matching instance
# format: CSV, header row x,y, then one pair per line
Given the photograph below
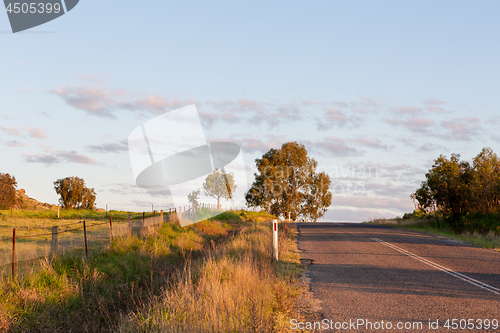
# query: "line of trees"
x,y
458,188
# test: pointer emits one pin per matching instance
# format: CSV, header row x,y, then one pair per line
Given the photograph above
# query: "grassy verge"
x,y
488,240
215,276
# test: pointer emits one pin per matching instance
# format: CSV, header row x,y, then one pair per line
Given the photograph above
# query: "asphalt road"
x,y
377,273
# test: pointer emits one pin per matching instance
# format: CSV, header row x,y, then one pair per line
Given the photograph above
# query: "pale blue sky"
x,y
387,84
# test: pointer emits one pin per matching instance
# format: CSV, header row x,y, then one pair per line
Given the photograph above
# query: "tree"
x,y
448,186
193,198
485,185
219,184
288,185
74,194
8,186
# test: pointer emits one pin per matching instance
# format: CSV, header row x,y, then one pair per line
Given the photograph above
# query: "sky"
x,y
374,90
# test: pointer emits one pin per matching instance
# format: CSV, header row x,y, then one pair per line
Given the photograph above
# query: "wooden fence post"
x,y
53,246
143,221
13,252
85,239
111,228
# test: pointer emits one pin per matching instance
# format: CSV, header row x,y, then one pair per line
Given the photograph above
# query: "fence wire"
x,y
69,239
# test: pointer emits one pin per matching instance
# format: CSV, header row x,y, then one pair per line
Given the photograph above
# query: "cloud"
x,y
434,101
46,159
427,147
11,131
36,132
98,100
332,146
340,103
464,129
334,117
416,125
271,111
407,110
437,109
371,143
16,144
59,157
249,143
109,147
367,105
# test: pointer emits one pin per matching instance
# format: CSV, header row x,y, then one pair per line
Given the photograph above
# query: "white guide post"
x,y
275,238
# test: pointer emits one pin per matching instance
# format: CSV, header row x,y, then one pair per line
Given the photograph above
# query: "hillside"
x,y
26,202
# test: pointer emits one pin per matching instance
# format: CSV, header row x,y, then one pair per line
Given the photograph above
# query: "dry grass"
x,y
211,277
234,287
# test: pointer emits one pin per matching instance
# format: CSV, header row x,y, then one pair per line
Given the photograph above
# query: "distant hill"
x,y
25,202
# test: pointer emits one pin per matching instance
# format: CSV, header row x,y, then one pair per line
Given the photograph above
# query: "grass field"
x,y
215,276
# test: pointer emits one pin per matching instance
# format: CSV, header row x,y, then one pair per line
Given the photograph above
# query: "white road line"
x,y
433,263
441,268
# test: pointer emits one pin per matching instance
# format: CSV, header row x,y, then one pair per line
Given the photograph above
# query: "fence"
x,y
81,238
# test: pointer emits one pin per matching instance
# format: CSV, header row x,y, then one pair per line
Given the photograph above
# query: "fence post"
x,y
53,246
161,214
13,252
85,239
275,238
111,228
58,207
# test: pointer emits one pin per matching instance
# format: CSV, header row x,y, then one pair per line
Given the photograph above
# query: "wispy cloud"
x,y
34,132
60,156
416,124
116,147
16,144
332,116
97,99
10,130
428,147
434,101
407,110
465,129
370,143
332,146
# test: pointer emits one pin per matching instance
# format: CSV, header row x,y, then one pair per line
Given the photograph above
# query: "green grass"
x,y
487,239
72,214
127,287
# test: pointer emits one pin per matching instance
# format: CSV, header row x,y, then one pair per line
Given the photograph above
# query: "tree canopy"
x,y
457,188
287,184
219,184
193,198
74,194
8,186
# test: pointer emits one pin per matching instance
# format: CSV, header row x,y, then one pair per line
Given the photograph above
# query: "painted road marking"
x,y
442,268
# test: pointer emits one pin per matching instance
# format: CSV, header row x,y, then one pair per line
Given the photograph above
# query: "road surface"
x,y
366,273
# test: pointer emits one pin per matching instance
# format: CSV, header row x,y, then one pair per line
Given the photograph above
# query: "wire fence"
x,y
81,238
